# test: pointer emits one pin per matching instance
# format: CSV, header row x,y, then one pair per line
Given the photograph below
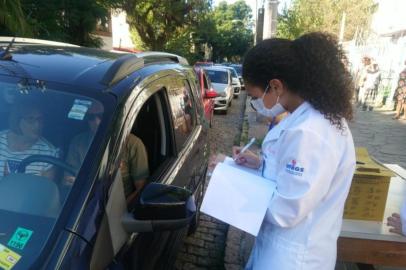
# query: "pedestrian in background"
x,y
370,86
361,77
400,95
309,155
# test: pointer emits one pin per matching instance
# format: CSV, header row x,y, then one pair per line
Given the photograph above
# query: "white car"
x,y
235,80
221,82
238,68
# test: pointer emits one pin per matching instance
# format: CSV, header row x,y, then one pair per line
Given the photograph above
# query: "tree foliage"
x,y
324,15
186,27
12,19
159,21
234,34
71,21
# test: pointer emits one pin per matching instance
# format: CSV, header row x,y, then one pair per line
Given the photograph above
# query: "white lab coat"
x,y
312,163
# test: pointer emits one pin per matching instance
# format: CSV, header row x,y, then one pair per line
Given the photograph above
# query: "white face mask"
x,y
259,106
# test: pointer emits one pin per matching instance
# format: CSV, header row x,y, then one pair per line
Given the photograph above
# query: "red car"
x,y
207,93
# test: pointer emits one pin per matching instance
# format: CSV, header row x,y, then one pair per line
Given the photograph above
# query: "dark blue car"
x,y
66,113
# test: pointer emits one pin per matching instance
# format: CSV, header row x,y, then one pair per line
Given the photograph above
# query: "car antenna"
x,y
5,55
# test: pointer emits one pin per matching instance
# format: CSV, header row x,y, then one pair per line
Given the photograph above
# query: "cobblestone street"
x,y
205,248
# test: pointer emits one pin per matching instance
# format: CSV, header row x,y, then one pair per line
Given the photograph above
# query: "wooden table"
x,y
370,242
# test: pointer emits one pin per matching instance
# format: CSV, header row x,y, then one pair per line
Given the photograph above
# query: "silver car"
x,y
238,68
221,81
235,80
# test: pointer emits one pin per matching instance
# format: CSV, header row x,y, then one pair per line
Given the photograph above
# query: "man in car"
x,y
134,161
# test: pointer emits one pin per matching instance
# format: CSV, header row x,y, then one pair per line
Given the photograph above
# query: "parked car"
x,y
235,81
59,97
221,82
238,68
207,93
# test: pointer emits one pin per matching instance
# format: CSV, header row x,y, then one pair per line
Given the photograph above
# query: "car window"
x,y
183,110
238,69
39,128
234,73
205,83
218,76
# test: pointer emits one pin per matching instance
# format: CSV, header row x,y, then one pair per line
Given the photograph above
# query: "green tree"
x,y
233,36
71,21
158,22
324,15
12,19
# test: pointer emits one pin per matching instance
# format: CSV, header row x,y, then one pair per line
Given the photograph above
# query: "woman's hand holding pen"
x,y
247,159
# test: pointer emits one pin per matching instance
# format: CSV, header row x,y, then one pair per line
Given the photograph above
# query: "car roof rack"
x,y
19,40
121,68
156,57
129,63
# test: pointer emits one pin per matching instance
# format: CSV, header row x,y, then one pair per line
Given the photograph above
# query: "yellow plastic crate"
x,y
369,189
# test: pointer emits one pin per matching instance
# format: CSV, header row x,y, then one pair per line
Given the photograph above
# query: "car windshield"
x,y
44,137
238,68
217,76
234,73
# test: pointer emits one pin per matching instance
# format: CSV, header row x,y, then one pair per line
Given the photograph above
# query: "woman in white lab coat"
x,y
309,154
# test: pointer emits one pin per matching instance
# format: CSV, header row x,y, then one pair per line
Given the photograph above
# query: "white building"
x,y
117,33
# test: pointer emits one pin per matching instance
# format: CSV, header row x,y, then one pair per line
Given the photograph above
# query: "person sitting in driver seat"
x,y
24,139
134,160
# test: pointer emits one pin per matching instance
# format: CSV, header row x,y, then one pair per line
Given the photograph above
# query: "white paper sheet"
x,y
238,196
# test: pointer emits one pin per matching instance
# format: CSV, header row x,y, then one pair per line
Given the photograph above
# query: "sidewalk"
x,y
384,138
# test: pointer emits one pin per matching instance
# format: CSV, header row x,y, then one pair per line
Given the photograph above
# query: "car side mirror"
x,y
161,208
210,93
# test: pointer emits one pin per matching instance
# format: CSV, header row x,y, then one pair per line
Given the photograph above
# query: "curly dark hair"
x,y
310,66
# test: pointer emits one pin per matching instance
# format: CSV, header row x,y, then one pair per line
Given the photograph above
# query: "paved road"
x,y
385,138
205,249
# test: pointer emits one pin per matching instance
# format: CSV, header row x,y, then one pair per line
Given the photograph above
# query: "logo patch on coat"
x,y
294,169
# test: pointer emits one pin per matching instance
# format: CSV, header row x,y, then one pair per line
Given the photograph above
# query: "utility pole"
x,y
260,25
270,18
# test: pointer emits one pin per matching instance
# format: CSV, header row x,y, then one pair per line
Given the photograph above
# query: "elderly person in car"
x,y
24,139
134,161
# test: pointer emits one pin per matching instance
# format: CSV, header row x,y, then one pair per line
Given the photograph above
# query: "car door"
x,y
180,161
190,143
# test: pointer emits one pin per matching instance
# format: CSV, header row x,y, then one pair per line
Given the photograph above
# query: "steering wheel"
x,y
47,159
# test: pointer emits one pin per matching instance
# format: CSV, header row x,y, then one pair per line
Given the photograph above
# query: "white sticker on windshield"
x,y
79,109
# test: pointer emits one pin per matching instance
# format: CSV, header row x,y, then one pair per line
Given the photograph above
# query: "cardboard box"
x,y
369,189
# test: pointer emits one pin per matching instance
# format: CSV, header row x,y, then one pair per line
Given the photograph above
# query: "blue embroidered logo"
x,y
292,168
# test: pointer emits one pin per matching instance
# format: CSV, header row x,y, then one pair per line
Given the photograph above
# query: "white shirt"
x,y
312,163
10,160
